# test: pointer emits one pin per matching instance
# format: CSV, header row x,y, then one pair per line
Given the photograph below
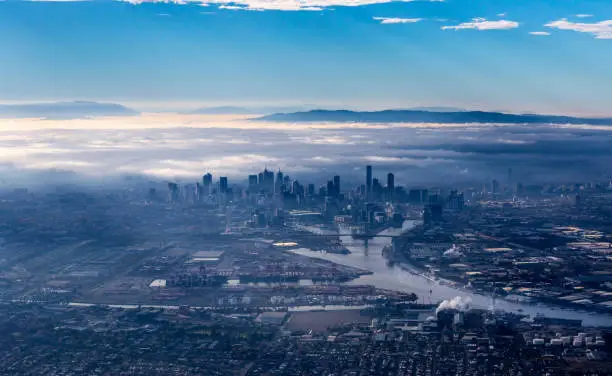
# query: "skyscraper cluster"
x,y
375,189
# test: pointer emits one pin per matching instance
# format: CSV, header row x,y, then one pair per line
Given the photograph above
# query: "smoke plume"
x,y
457,303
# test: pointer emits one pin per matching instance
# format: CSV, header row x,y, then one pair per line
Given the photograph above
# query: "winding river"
x,y
407,279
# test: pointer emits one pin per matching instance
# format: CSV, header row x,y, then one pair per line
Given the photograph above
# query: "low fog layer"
x,y
183,147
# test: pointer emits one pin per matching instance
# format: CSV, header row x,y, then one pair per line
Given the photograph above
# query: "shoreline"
x,y
410,267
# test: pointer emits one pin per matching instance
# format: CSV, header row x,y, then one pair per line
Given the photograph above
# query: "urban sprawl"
x,y
272,276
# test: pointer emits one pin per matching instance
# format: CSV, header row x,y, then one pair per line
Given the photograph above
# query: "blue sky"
x,y
466,53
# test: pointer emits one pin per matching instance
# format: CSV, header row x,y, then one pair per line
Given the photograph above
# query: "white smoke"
x,y
457,303
452,252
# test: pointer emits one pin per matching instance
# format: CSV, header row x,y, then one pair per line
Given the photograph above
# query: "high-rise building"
x,y
311,189
331,190
278,184
252,182
223,184
173,192
494,187
376,190
199,192
336,185
268,180
207,183
455,201
390,185
369,181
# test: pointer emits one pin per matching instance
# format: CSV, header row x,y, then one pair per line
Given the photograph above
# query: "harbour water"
x,y
408,279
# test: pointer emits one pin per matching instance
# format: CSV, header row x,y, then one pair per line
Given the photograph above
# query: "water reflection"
x,y
405,278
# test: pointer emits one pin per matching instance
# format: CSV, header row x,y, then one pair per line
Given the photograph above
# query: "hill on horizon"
x,y
420,116
64,110
238,110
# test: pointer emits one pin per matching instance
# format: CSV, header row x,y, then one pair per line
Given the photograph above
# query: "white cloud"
x,y
584,15
395,20
540,33
287,5
501,14
483,24
600,30
232,7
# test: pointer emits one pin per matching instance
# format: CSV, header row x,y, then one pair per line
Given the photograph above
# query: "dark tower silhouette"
x,y
369,182
390,185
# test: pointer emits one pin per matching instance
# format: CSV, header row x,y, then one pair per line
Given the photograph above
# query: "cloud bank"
x,y
600,30
182,147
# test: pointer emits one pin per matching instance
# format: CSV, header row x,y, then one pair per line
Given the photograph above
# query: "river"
x,y
407,279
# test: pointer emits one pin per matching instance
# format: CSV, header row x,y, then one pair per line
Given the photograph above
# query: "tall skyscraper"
x,y
331,190
377,189
252,182
390,185
268,180
369,181
278,184
206,183
337,185
260,180
223,184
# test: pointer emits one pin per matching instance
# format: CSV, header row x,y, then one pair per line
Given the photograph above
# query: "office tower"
x,y
206,183
297,189
199,196
268,178
252,182
376,189
223,184
173,192
278,184
455,201
369,181
337,185
322,191
390,185
331,190
311,189
510,175
494,187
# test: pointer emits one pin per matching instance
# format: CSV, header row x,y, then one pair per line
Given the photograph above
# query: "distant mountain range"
x,y
64,110
235,110
420,116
